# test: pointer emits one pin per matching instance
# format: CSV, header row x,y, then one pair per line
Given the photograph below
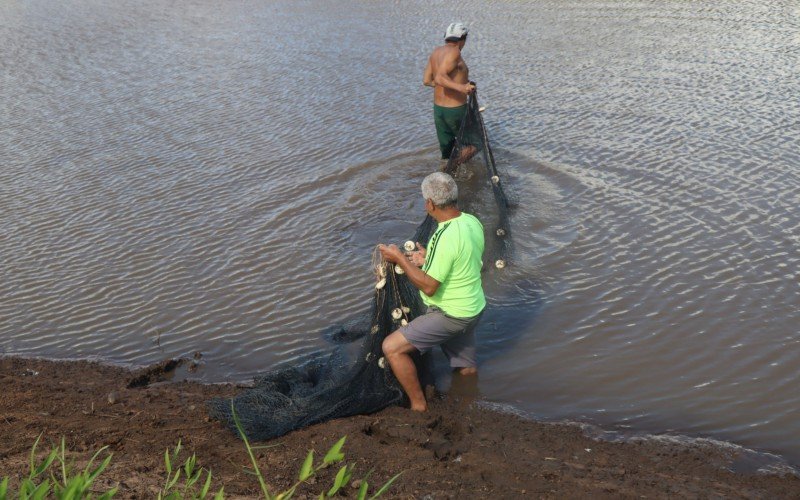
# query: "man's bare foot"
x,y
419,408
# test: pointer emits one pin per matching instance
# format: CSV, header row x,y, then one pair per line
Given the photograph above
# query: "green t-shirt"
x,y
454,258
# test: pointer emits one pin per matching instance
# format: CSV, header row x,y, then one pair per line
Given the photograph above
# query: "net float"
x,y
500,264
398,269
397,313
380,284
409,246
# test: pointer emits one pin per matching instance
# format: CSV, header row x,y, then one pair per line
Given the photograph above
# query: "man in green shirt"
x,y
448,275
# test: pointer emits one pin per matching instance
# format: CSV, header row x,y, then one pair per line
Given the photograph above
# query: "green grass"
x,y
55,477
308,469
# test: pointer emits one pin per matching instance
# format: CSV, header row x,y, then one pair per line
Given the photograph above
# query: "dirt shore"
x,y
457,450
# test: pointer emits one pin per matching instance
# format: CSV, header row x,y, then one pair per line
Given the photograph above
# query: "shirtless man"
x,y
448,74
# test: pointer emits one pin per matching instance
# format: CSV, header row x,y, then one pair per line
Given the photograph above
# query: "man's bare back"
x,y
448,74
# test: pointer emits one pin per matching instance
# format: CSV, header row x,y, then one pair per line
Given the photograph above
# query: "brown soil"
x,y
456,450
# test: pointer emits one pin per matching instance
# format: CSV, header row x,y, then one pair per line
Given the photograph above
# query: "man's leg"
x,y
460,349
398,352
464,385
446,138
470,144
467,371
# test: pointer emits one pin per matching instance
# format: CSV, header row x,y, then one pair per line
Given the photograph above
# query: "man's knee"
x,y
395,344
386,346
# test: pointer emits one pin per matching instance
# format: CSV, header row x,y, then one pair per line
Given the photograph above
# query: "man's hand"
x,y
417,257
418,278
469,88
391,253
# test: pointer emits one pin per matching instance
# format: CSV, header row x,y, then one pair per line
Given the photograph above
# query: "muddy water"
x,y
212,177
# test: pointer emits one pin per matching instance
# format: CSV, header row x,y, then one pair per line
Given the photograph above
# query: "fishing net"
x,y
354,378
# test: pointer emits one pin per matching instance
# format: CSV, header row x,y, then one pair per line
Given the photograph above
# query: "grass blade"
x,y
41,491
239,428
108,495
335,453
63,462
99,469
33,455
206,486
167,462
51,457
385,487
341,479
362,491
307,469
266,446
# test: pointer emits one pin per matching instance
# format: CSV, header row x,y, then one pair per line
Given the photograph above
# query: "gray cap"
x,y
455,31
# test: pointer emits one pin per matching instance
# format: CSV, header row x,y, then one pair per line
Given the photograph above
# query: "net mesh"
x,y
357,380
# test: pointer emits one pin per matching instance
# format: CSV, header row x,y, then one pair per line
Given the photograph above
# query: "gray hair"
x,y
440,188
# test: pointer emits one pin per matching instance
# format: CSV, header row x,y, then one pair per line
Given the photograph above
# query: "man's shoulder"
x,y
460,222
470,219
464,227
447,47
445,51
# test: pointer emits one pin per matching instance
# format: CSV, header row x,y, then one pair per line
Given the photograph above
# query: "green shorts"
x,y
447,121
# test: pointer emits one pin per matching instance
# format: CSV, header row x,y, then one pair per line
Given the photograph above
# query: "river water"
x,y
213,176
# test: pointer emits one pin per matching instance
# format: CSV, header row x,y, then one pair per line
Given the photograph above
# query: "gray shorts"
x,y
456,336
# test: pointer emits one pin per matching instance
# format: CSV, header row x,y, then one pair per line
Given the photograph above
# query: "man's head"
x,y
440,189
456,33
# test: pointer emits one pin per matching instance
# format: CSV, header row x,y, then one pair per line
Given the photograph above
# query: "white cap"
x,y
454,32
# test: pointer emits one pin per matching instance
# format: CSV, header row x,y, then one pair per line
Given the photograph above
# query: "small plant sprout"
x,y
71,485
308,470
174,489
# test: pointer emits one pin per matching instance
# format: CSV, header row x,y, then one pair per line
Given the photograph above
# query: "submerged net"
x,y
337,385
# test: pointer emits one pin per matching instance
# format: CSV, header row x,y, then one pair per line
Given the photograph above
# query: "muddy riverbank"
x,y
457,450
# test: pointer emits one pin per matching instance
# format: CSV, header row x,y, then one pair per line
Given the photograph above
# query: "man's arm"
x,y
443,70
418,278
427,77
